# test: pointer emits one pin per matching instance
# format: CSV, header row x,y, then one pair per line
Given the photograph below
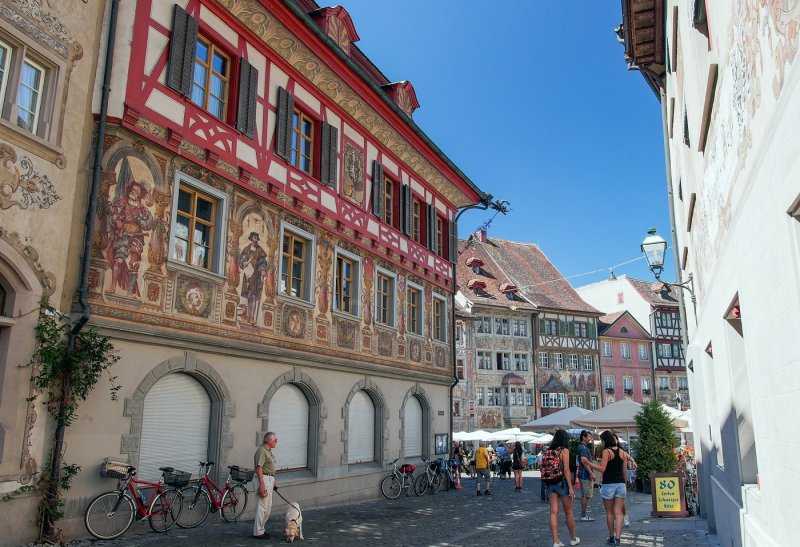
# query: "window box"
x,y
609,390
646,391
628,392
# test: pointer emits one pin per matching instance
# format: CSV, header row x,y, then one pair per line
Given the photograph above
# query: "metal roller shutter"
x,y
175,425
361,434
413,429
288,418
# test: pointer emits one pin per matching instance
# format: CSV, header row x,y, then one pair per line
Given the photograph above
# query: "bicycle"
x,y
690,490
109,515
399,480
431,479
449,479
205,496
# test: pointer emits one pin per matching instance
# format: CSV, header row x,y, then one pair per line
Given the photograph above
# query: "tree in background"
x,y
654,447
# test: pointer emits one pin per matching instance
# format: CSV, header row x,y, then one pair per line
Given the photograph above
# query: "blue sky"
x,y
536,106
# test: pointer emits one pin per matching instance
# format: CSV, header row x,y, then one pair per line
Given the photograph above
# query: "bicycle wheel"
x,y
436,483
408,486
109,515
196,505
234,501
421,484
165,510
391,487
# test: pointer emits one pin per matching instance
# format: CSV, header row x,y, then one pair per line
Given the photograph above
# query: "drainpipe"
x,y
83,289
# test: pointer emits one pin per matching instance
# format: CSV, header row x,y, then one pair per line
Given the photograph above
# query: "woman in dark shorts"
x,y
613,464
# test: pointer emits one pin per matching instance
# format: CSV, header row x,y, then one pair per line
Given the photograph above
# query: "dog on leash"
x,y
294,523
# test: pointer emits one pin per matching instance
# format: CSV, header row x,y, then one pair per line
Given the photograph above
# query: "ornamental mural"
x,y
254,267
126,220
353,179
28,189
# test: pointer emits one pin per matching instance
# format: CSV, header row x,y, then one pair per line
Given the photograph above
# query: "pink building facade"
x,y
626,360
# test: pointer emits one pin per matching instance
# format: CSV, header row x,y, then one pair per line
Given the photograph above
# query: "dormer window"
x,y
475,264
476,285
509,290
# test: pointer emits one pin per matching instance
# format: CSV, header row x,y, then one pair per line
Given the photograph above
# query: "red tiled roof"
x,y
525,266
657,294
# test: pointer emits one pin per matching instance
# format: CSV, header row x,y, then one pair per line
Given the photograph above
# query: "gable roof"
x,y
539,283
607,323
656,294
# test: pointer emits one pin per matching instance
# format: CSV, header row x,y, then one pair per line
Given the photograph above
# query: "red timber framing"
x,y
217,145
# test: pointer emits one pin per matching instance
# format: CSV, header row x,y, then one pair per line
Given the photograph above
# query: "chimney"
x,y
482,235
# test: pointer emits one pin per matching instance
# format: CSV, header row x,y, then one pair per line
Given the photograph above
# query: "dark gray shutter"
x,y
283,131
406,198
430,222
181,51
452,232
330,150
246,114
377,189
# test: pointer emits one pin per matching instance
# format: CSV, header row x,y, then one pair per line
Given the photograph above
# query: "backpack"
x,y
552,471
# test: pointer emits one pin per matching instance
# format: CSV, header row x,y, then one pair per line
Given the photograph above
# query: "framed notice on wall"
x,y
669,499
441,443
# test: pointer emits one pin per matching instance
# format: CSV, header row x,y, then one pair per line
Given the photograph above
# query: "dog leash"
x,y
284,499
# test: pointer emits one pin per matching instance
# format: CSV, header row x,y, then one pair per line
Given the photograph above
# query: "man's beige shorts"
x,y
587,488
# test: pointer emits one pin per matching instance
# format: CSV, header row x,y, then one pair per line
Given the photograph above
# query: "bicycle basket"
x,y
407,468
176,478
114,469
241,474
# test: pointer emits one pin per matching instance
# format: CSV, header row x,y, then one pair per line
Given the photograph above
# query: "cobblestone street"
x,y
457,517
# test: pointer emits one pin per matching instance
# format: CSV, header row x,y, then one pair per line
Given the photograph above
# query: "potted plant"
x,y
654,447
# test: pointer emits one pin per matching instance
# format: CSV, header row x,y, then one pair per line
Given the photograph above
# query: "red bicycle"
x,y
109,515
205,496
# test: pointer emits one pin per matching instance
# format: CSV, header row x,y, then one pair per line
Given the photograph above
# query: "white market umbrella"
x,y
551,422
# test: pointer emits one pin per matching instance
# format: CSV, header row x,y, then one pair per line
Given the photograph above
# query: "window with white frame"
x,y
27,87
414,309
682,382
625,350
460,369
554,400
439,319
605,348
588,362
627,383
644,353
501,326
550,326
544,359
484,360
296,263
521,361
198,226
609,382
664,349
520,327
503,359
483,325
528,397
645,383
384,298
558,359
593,402
512,396
576,400
581,329
573,361
479,395
663,383
346,289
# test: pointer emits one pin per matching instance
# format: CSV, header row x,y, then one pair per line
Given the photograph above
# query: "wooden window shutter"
x,y
430,221
283,131
377,189
541,325
246,113
181,51
452,232
330,150
406,198
592,330
562,327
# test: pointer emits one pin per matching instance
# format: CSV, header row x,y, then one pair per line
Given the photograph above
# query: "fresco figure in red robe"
x,y
129,221
253,265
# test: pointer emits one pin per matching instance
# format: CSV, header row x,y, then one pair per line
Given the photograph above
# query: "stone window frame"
x,y
381,422
427,420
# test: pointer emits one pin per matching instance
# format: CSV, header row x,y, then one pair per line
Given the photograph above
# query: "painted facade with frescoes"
x,y
271,251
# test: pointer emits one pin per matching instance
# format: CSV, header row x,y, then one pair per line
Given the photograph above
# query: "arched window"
x,y
361,430
288,418
412,441
175,426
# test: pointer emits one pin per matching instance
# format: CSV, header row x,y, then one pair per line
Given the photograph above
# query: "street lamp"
x,y
654,248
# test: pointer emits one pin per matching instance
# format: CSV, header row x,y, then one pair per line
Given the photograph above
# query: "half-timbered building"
x,y
271,248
